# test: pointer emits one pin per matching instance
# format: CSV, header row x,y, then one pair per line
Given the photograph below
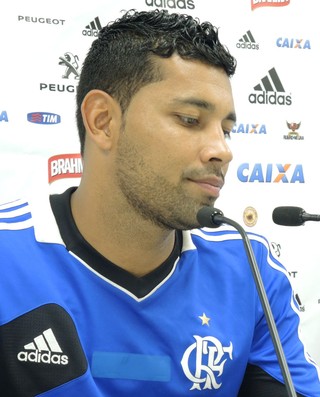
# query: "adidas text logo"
x,y
181,4
247,41
44,349
93,28
272,91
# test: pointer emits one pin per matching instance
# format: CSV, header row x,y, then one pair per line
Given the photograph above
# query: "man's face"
x,y
173,153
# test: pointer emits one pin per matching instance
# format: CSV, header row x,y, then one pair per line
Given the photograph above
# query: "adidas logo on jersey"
x,y
44,349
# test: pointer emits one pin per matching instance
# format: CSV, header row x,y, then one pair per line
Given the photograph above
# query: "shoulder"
x,y
31,214
226,233
15,215
227,245
228,238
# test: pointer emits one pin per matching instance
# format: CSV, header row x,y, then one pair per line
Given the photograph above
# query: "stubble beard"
x,y
151,196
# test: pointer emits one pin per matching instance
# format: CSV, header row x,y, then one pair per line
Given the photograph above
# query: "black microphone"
x,y
292,216
212,217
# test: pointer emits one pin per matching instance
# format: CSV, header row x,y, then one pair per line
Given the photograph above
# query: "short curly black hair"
x,y
121,60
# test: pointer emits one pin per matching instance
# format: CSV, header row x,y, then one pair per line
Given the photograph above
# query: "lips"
x,y
211,185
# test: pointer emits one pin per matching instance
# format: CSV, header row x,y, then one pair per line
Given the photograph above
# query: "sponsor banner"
x,y
62,166
43,118
268,3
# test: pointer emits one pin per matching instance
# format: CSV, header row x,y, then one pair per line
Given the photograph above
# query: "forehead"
x,y
193,78
191,69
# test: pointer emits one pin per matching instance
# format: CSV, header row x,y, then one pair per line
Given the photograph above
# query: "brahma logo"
x,y
270,173
268,3
43,118
64,166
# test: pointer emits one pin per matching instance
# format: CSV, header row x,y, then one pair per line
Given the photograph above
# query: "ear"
x,y
101,117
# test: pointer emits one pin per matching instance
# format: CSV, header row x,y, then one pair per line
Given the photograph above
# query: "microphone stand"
x,y
218,219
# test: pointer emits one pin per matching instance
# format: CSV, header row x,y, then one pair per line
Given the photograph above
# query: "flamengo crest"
x,y
210,357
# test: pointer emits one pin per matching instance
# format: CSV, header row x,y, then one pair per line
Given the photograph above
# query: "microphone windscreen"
x,y
288,216
205,216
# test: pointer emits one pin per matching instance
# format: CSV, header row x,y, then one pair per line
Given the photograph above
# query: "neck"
x,y
132,243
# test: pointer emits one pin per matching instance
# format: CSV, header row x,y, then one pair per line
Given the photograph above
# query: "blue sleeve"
x,y
304,372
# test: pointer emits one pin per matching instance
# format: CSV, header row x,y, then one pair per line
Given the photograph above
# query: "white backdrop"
x,y
275,143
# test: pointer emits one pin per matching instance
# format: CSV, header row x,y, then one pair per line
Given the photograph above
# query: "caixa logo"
x,y
270,173
242,128
293,43
43,118
3,116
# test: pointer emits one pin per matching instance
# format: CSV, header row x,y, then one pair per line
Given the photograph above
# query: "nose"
x,y
216,148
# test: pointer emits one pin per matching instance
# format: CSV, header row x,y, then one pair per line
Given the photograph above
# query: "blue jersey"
x,y
67,328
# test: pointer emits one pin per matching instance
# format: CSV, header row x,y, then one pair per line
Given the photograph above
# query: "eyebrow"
x,y
201,104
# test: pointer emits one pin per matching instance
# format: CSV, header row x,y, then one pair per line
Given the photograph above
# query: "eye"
x,y
227,134
188,120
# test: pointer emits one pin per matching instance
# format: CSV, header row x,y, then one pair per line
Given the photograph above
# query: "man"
x,y
110,289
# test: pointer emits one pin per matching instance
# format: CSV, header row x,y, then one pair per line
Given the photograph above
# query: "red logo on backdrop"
x,y
62,166
268,3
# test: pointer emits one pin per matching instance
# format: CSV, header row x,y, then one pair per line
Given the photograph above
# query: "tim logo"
x,y
203,362
43,118
268,3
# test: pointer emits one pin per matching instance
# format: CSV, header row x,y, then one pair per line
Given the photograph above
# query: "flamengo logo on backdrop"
x,y
181,4
271,83
270,173
4,116
268,3
293,133
62,166
43,118
247,41
92,29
